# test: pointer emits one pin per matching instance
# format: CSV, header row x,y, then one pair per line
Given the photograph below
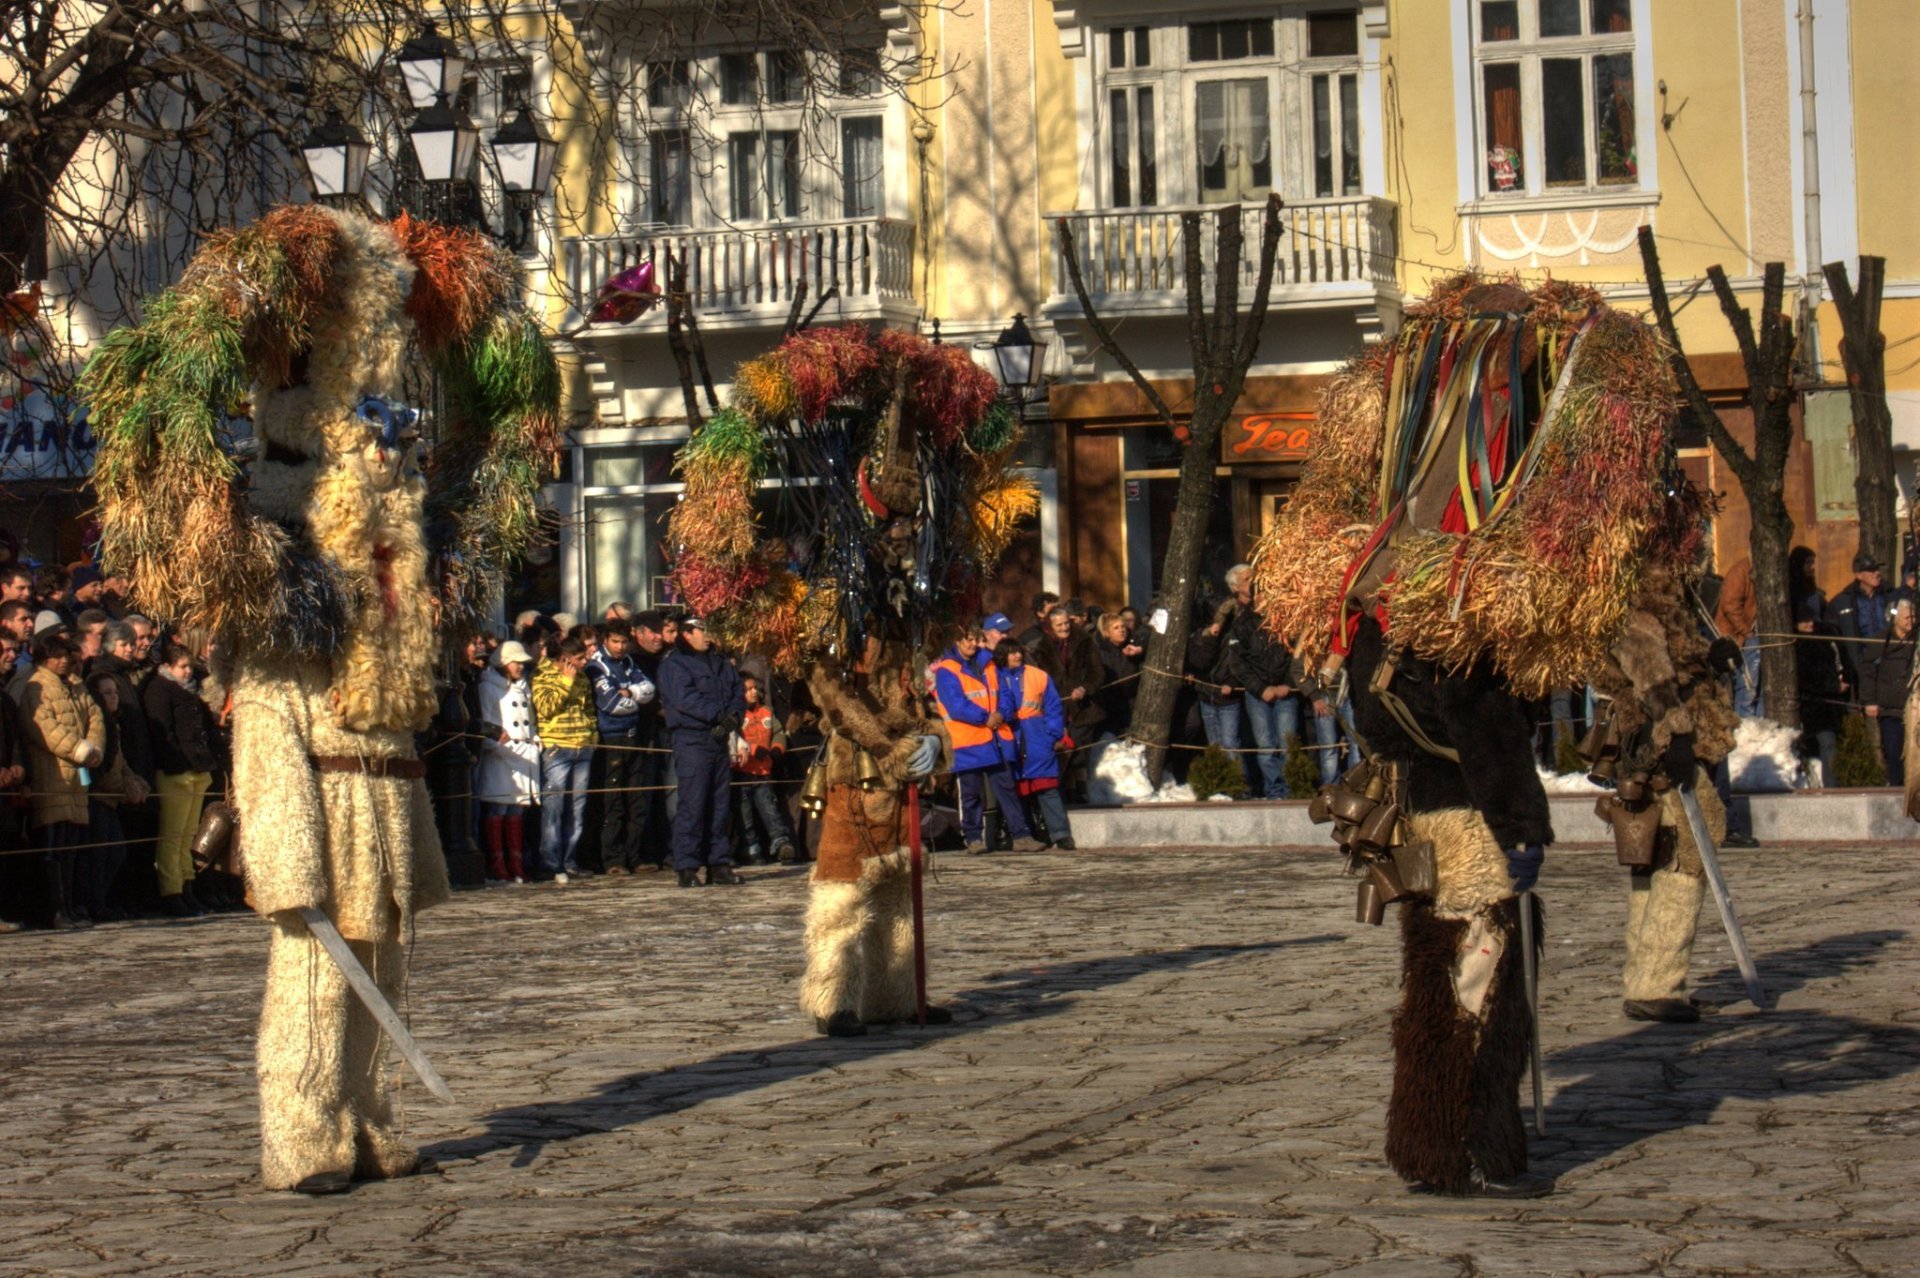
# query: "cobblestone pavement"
x,y
1164,1064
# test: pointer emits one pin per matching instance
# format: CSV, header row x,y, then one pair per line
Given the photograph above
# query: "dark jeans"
x,y
96,868
1893,748
59,864
700,820
972,786
1052,807
618,774
755,799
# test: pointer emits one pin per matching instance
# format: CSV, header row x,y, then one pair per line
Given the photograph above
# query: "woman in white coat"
x,y
509,761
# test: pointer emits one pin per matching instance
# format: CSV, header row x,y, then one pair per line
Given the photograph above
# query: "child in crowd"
x,y
509,762
1040,733
762,740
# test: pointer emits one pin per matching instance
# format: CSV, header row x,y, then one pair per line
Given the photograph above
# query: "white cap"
x,y
47,620
511,650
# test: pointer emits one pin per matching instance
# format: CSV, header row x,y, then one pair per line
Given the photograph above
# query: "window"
x,y
1557,107
669,86
743,75
671,169
863,161
1336,134
1230,41
1242,107
860,75
1135,181
1236,140
764,175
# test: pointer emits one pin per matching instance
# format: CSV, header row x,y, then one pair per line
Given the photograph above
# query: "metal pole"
x,y
1530,967
1810,278
1710,862
919,915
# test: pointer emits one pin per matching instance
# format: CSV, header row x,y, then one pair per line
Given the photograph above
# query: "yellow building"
x,y
1408,138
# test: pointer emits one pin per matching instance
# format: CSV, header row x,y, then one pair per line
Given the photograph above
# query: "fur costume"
x,y
328,575
915,498
1471,528
1671,716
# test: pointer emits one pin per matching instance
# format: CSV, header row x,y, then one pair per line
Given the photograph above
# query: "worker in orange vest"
x,y
976,702
1040,733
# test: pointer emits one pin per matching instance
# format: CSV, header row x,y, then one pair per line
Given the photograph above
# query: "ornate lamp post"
x,y
335,154
1019,360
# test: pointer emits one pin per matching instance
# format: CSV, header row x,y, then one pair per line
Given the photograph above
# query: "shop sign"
x,y
1267,437
44,437
1133,490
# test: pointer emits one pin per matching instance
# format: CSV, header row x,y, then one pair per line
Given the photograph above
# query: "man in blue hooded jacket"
x,y
977,704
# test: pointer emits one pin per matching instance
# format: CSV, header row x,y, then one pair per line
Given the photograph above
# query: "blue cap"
x,y
998,621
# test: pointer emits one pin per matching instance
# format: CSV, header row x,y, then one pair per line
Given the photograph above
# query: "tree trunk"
x,y
1768,543
1863,352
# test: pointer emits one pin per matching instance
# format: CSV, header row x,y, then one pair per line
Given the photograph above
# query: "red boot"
x,y
516,828
492,832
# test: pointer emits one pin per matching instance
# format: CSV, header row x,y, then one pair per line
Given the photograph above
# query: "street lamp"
x,y
523,152
1018,357
431,66
335,154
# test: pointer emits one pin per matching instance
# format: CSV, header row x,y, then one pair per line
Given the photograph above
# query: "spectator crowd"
x,y
633,745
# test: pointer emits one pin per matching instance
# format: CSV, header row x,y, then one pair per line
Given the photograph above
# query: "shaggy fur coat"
x,y
1460,1035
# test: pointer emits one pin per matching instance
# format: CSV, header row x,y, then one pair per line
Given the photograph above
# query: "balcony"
x,y
747,277
1331,253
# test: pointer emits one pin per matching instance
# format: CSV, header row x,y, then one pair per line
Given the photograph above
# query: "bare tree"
x,y
1762,474
129,129
1223,346
1863,353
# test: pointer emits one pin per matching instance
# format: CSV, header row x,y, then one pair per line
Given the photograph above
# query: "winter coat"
x,y
1854,614
63,727
1040,724
564,704
1072,663
510,769
1821,668
1739,607
1116,698
1886,676
1207,662
180,728
968,692
114,782
1256,660
136,737
619,710
766,740
700,691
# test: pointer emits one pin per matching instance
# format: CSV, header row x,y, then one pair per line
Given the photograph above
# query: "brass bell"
x,y
870,778
813,793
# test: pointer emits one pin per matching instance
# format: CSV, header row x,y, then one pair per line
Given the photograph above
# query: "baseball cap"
x,y
1865,563
47,620
691,622
998,621
512,650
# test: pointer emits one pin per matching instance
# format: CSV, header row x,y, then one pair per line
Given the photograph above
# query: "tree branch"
x,y
1698,406
1104,334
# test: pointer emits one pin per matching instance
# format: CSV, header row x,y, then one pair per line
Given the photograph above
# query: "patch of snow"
x,y
1118,774
1763,759
1567,783
1219,798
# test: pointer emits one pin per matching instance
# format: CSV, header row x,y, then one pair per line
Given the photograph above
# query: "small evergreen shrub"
x,y
1217,772
1856,761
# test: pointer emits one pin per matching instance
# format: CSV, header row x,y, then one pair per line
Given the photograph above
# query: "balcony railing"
x,y
750,275
1133,259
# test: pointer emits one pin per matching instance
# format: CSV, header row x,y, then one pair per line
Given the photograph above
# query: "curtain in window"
x,y
783,174
1350,134
672,173
862,166
743,177
1120,122
1236,139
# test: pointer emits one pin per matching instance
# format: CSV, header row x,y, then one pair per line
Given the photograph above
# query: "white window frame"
x,y
1174,78
816,125
1528,50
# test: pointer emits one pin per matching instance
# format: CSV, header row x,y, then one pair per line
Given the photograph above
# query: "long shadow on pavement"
x,y
1019,994
1658,1078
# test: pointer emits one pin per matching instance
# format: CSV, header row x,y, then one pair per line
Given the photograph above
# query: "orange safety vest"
x,y
1033,692
982,694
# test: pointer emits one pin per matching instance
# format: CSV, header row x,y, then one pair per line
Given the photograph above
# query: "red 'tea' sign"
x,y
1268,437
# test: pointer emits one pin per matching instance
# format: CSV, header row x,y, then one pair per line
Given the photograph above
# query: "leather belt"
x,y
402,769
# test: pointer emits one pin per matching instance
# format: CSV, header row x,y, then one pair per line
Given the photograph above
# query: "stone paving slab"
x,y
1162,1065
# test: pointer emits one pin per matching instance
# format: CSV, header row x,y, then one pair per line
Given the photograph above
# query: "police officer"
x,y
704,702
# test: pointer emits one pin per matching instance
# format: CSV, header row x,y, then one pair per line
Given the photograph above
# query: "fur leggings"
x,y
324,1103
860,944
1459,1048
